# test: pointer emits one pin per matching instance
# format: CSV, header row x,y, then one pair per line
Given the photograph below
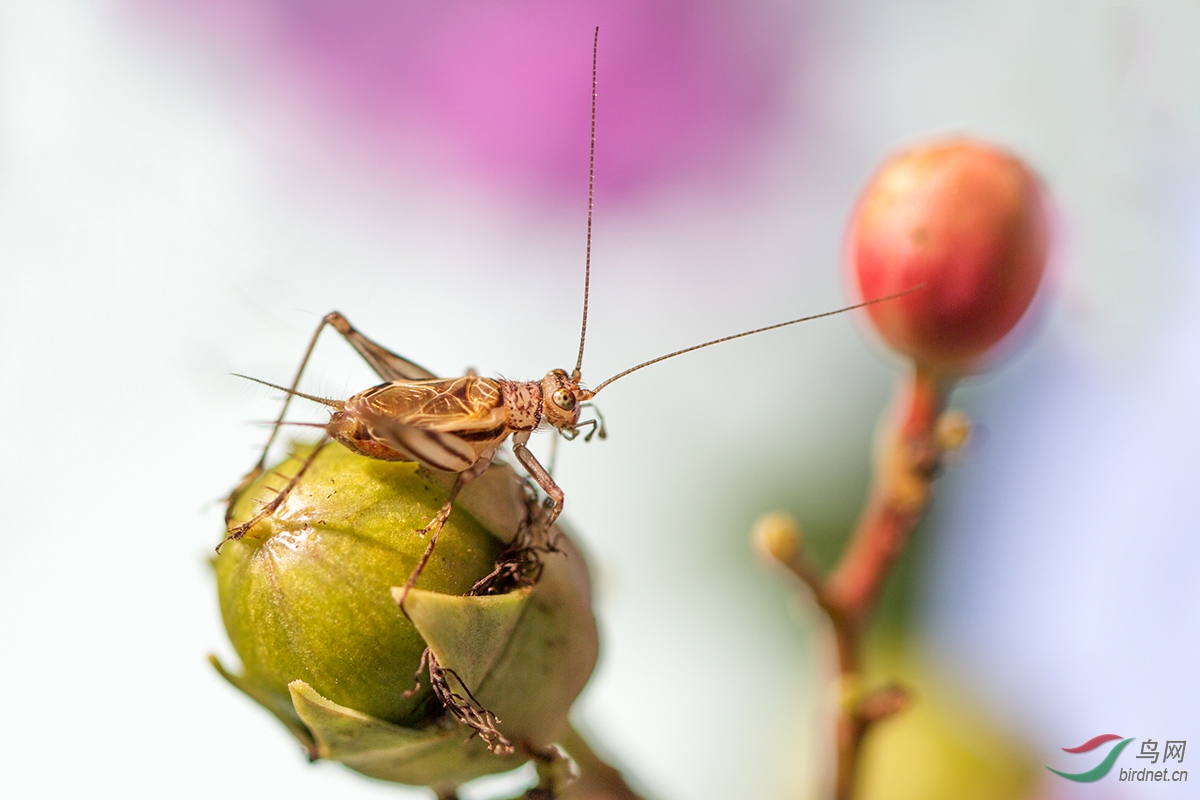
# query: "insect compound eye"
x,y
564,399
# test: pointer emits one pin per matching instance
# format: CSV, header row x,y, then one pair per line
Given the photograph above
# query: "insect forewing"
x,y
431,421
443,451
459,405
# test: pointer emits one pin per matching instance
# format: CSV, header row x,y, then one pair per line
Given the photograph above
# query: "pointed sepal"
x,y
433,756
466,634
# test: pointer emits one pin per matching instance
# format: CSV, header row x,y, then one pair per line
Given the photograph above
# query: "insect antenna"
x,y
622,374
587,261
338,404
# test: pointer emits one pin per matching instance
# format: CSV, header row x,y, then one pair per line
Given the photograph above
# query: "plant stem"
x,y
907,463
908,459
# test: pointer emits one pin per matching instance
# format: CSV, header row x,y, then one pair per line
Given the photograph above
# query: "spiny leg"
x,y
439,520
541,477
257,470
269,507
382,361
435,527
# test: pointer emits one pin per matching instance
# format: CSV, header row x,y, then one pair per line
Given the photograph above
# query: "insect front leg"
x,y
540,476
382,361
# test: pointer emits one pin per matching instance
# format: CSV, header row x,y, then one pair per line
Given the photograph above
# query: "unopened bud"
x,y
308,598
953,430
777,536
966,221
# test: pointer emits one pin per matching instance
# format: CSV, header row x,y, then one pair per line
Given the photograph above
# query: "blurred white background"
x,y
185,188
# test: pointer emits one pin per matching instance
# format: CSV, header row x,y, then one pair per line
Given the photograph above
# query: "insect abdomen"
x,y
353,434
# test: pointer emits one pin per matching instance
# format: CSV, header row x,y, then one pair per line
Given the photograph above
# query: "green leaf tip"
x,y
466,634
437,755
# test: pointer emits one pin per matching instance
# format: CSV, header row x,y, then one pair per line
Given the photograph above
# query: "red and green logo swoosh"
x,y
1100,770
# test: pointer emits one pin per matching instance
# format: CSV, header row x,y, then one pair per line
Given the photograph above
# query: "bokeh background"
x,y
186,187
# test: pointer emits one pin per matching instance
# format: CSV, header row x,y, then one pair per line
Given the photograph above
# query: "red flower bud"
x,y
968,221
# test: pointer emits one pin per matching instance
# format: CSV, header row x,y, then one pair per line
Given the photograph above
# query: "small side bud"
x,y
882,703
777,536
953,430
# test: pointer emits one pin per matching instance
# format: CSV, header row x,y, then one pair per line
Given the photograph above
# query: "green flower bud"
x,y
307,599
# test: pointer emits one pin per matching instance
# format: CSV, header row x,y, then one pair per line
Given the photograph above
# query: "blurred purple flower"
x,y
688,87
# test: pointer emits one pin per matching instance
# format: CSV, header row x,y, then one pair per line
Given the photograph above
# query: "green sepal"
x,y
434,756
525,655
545,664
466,634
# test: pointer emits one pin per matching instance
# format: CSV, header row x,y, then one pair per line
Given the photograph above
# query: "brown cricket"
x,y
457,424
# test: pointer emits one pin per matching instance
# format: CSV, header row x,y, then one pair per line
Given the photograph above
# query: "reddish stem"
x,y
898,497
908,461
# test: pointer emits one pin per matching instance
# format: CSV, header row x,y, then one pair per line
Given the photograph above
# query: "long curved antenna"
x,y
587,263
751,333
338,404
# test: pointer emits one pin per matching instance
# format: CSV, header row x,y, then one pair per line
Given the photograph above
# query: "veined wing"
x,y
467,405
446,424
443,451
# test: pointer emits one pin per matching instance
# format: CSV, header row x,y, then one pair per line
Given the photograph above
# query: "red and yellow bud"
x,y
969,222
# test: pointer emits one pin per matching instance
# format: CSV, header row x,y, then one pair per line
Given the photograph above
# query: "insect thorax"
x,y
523,402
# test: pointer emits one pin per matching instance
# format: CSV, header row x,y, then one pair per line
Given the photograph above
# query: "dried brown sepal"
x,y
520,565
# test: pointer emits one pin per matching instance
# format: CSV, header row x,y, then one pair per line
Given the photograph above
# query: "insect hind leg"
x,y
238,531
383,362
